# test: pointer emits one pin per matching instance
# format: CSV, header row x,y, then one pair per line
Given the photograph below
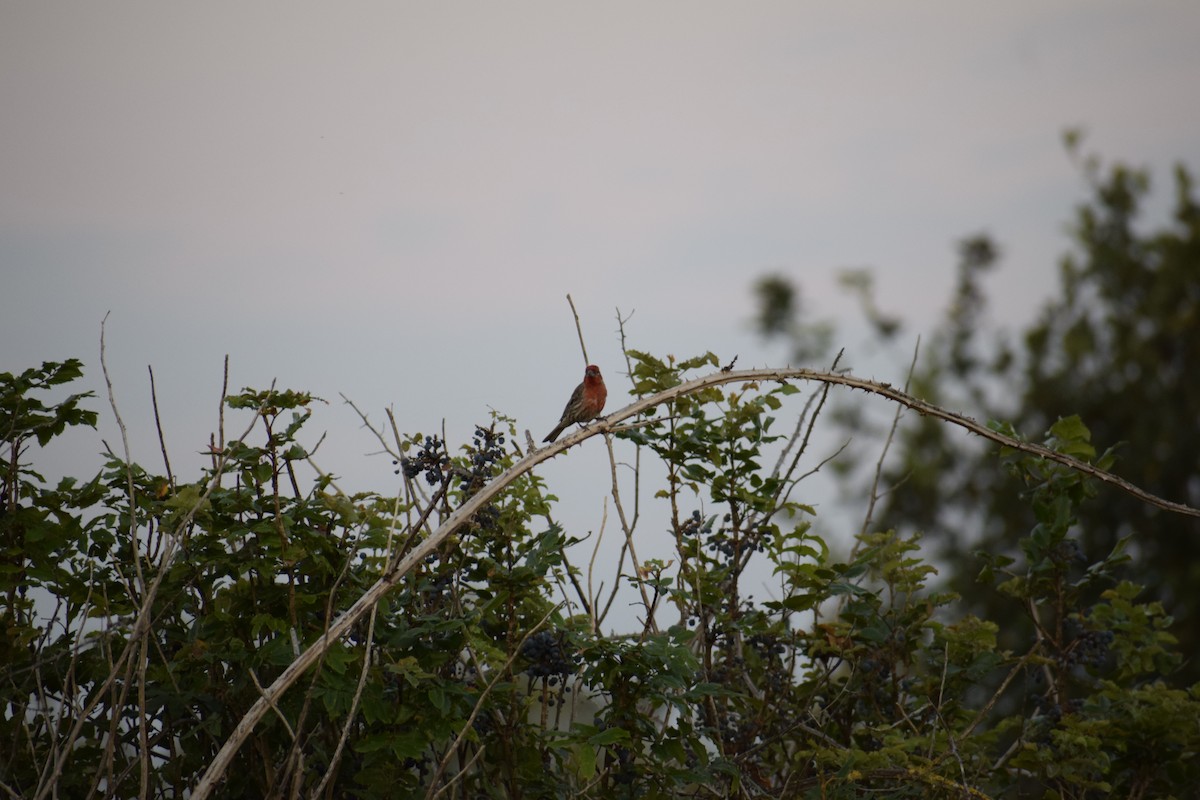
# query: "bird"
x,y
586,403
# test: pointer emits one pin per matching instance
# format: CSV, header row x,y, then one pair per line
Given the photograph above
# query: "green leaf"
x,y
608,736
585,761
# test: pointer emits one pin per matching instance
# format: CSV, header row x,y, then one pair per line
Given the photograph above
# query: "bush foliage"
x,y
143,615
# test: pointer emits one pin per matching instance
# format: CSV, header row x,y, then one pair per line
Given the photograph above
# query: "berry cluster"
x,y
691,533
875,686
1052,712
432,460
1089,649
728,670
725,541
732,544
436,589
695,525
767,645
486,450
738,732
546,656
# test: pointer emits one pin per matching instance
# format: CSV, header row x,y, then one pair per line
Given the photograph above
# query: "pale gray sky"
x,y
391,199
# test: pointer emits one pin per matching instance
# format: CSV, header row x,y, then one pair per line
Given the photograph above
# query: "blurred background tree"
x,y
1119,345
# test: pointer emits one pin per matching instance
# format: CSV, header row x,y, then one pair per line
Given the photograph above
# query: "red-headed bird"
x,y
586,403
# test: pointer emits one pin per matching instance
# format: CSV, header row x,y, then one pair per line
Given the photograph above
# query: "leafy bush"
x,y
145,618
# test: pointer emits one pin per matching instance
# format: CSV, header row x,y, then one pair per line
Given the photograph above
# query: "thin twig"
x,y
784,492
1012,674
162,441
286,725
937,710
624,349
636,468
583,597
887,444
325,476
378,434
578,329
651,625
134,544
595,598
462,771
221,415
794,438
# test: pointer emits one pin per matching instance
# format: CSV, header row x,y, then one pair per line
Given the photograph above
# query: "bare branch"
x,y
628,530
578,329
594,599
162,442
887,444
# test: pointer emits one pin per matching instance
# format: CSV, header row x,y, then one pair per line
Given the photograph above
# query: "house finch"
x,y
586,403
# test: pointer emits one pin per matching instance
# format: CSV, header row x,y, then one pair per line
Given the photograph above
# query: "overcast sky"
x,y
391,200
